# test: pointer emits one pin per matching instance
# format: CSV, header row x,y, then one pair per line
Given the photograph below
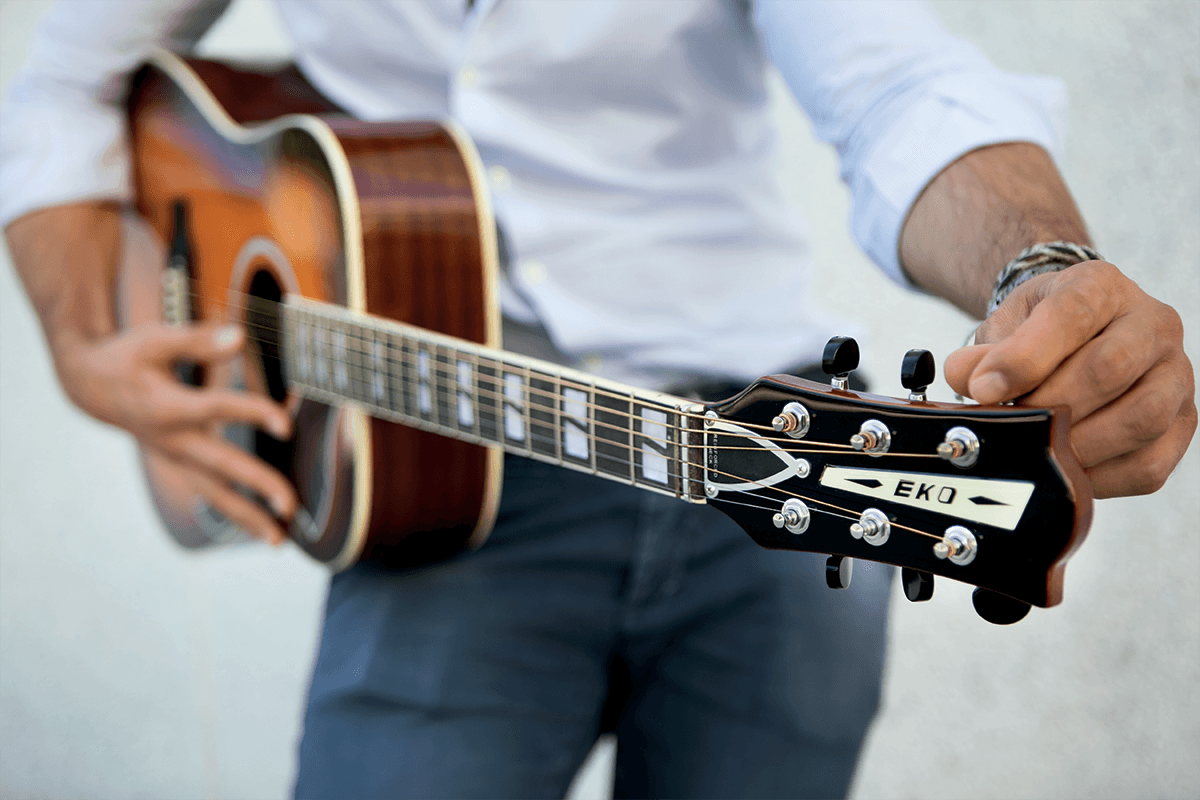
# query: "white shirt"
x,y
629,144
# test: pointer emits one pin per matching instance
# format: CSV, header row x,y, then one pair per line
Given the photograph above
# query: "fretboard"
x,y
467,391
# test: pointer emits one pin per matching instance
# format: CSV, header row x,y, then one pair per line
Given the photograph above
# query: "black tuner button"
x,y
918,586
838,570
998,609
840,359
917,373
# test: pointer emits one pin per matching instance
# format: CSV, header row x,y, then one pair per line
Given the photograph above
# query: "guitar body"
x,y
388,219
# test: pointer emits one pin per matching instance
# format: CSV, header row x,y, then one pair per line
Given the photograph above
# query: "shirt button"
x,y
534,272
468,77
500,177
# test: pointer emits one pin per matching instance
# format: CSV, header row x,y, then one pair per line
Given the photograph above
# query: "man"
x,y
684,197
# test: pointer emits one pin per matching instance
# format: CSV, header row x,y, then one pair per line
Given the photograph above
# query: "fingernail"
x,y
279,505
227,336
991,387
277,427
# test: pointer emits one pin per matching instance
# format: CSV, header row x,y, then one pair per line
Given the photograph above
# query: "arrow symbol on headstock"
x,y
985,501
870,483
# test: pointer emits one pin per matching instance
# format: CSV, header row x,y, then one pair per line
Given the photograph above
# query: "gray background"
x,y
129,669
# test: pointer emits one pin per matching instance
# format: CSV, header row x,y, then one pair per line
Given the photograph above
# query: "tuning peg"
x,y
918,586
838,571
998,609
839,360
917,373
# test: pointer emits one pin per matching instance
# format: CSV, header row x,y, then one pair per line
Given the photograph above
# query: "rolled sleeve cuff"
x,y
50,155
952,116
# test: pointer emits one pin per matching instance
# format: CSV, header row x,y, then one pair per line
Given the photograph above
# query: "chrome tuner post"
x,y
960,448
872,527
916,374
794,516
873,438
958,545
839,359
793,420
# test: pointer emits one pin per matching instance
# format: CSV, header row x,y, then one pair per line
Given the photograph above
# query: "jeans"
x,y
725,670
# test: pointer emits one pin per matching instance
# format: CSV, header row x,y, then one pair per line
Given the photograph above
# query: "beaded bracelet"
x,y
1037,260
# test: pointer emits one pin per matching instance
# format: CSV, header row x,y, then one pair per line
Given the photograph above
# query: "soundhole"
x,y
264,328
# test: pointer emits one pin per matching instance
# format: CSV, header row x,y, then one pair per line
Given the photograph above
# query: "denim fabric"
x,y
726,670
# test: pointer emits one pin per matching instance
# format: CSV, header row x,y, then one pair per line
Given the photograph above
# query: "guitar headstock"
x,y
988,495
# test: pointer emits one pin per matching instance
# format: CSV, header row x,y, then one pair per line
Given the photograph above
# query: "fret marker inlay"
x,y
654,437
466,404
377,371
424,392
341,379
514,408
575,423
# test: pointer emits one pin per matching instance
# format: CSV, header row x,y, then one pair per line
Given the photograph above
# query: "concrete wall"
x,y
129,669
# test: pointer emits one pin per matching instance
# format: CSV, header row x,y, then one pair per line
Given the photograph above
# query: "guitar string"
x,y
255,300
760,486
678,476
444,407
447,406
451,376
529,387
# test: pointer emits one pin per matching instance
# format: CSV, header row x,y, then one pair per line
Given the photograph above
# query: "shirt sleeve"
x,y
900,99
64,133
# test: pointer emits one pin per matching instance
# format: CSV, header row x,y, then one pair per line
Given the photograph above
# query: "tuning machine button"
x,y
873,438
838,571
873,527
960,448
918,585
958,546
794,516
998,609
839,359
917,372
793,420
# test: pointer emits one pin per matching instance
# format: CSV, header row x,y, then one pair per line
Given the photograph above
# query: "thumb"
x,y
960,365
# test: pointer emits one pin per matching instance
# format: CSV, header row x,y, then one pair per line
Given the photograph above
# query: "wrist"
x,y
1035,260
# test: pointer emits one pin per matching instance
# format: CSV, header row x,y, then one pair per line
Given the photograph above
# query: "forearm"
x,y
978,214
66,256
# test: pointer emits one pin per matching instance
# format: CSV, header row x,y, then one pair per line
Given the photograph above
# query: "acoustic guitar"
x,y
362,260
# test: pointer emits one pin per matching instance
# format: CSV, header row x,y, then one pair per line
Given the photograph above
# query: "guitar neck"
x,y
479,394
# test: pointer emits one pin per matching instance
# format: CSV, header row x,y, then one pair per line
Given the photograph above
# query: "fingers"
x,y
1065,311
172,404
237,508
228,464
1145,471
206,342
1106,367
960,365
1090,339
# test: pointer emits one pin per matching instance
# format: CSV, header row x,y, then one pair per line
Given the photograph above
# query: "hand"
x,y
67,257
128,381
1088,338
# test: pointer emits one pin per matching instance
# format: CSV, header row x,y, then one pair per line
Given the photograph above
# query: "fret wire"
x,y
262,302
531,389
532,432
681,415
426,424
631,461
677,427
